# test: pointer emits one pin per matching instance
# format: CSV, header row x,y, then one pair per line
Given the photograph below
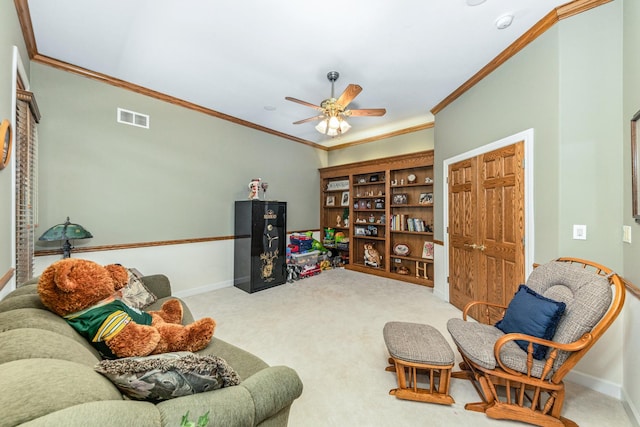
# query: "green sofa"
x,y
47,377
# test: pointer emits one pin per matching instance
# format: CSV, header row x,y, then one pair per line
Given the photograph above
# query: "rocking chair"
x,y
519,376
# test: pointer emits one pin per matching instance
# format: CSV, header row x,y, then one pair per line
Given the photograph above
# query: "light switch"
x,y
579,232
626,233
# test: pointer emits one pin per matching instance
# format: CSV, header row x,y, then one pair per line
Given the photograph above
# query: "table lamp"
x,y
67,231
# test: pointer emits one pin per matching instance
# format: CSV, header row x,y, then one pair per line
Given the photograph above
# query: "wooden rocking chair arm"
x,y
472,304
552,345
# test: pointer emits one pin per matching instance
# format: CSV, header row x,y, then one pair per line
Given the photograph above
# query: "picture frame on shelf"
x,y
400,199
345,199
425,199
342,184
427,250
331,201
401,249
360,231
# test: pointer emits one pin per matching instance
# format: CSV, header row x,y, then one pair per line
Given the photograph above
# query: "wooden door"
x,y
486,228
463,279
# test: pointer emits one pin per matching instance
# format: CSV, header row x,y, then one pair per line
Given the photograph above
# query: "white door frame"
x,y
441,285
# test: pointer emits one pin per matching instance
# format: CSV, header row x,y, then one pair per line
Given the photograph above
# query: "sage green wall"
x,y
631,252
177,180
590,134
395,146
566,85
521,94
10,36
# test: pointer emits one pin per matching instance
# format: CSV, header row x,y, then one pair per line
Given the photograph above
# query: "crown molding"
x,y
565,11
561,12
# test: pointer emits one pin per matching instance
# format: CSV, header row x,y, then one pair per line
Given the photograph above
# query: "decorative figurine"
x,y
371,256
338,221
254,189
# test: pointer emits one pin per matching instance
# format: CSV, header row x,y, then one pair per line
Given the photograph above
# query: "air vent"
x,y
132,118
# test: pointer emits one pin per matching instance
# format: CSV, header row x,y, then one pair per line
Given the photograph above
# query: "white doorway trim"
x,y
441,286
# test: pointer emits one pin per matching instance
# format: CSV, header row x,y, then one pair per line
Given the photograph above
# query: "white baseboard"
x,y
632,410
597,384
202,289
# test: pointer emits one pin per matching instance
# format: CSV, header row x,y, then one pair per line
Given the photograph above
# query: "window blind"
x,y
26,164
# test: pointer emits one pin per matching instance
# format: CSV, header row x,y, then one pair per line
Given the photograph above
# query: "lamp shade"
x,y
66,231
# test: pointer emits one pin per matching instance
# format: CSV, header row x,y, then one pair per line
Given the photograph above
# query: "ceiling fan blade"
x,y
367,112
310,119
349,93
305,103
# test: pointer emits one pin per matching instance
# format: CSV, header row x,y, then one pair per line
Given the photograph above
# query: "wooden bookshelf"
x,y
389,209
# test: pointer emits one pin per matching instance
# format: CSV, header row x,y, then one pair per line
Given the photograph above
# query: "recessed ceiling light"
x,y
270,108
504,21
475,2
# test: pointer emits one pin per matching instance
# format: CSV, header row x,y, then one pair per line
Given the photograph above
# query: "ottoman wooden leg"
x,y
407,374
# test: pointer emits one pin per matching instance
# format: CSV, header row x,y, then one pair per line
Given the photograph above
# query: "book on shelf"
x,y
427,250
401,222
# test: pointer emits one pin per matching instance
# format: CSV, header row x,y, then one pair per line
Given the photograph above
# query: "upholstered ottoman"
x,y
416,348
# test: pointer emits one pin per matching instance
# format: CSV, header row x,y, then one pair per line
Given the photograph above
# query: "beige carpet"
x,y
329,329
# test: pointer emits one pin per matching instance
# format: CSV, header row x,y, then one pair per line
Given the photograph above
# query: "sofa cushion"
x,y
31,388
41,319
532,314
22,301
230,406
26,289
168,375
29,343
111,413
244,363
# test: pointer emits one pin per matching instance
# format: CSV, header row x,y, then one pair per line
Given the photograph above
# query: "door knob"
x,y
474,246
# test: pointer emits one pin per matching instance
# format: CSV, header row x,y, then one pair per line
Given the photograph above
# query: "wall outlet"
x,y
626,233
579,232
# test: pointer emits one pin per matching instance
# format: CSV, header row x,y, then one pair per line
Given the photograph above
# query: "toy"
x,y
371,256
84,293
254,189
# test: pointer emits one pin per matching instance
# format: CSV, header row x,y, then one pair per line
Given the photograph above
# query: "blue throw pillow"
x,y
532,314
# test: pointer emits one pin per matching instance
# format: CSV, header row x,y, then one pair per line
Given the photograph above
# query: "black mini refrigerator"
x,y
260,245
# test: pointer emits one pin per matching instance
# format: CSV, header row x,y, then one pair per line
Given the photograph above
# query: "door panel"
x,y
462,258
486,209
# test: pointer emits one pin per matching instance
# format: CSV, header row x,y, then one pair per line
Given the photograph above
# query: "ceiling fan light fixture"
x,y
333,110
334,122
322,126
344,126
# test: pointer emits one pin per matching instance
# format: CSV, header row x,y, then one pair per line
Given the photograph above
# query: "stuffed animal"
x,y
84,293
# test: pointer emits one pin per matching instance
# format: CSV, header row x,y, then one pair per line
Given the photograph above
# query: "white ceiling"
x,y
243,57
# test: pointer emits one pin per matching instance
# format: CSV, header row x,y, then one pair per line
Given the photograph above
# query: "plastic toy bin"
x,y
305,258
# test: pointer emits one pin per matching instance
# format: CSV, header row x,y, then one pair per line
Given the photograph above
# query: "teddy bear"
x,y
85,294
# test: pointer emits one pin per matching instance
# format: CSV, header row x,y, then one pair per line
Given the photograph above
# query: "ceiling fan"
x,y
334,110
